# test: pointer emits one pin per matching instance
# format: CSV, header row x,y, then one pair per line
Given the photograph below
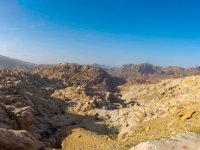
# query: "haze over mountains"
x,y
144,70
52,106
128,70
7,62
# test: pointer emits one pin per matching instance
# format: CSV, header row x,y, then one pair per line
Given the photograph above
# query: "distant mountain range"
x,y
149,69
104,66
134,73
145,72
7,62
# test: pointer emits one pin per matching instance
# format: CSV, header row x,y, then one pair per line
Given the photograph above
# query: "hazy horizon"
x,y
164,33
102,65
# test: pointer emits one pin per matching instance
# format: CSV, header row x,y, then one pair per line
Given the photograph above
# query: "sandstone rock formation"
x,y
153,111
58,104
40,101
189,141
13,139
75,75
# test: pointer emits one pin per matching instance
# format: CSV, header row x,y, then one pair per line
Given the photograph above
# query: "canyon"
x,y
71,106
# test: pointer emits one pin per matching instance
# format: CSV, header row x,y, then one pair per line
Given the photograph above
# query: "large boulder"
x,y
6,121
22,116
189,141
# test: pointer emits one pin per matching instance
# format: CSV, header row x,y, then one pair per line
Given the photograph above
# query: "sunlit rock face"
x,y
47,102
53,106
182,141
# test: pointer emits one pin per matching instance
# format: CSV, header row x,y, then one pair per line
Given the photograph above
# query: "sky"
x,y
111,32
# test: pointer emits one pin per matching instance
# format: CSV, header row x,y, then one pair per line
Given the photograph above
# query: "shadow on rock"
x,y
62,126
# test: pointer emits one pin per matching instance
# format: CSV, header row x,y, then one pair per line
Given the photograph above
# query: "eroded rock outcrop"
x,y
66,102
13,139
189,141
76,75
22,116
37,103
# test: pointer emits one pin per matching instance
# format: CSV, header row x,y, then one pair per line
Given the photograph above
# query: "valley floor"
x,y
153,112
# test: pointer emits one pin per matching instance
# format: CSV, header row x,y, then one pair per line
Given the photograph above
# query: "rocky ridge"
x,y
149,73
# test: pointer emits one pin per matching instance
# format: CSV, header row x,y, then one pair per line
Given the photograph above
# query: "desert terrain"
x,y
80,107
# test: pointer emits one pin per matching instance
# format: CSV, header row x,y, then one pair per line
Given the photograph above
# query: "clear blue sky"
x,y
112,32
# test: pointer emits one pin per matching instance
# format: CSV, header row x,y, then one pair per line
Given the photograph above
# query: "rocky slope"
x,y
150,112
7,62
41,107
53,106
74,74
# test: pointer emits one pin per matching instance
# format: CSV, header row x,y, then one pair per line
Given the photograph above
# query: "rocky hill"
x,y
40,107
53,106
7,62
75,74
148,73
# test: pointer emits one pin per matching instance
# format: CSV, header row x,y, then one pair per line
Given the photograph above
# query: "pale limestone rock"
x,y
189,141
